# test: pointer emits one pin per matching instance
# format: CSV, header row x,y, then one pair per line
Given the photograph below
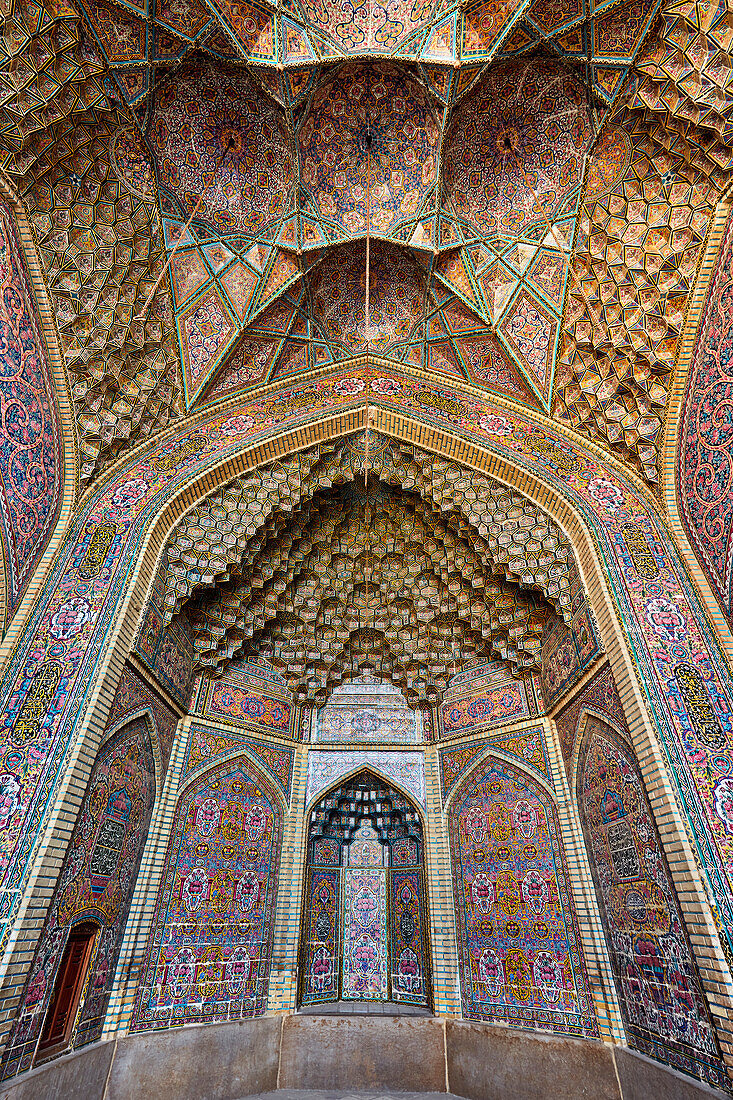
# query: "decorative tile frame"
x,y
596,496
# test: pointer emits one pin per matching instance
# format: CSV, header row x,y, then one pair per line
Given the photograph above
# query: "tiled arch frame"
x,y
283,994
149,888
590,496
582,894
292,935
600,1013
145,712
76,897
495,751
669,464
142,908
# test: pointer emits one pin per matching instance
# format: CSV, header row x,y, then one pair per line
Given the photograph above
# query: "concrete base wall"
x,y
231,1061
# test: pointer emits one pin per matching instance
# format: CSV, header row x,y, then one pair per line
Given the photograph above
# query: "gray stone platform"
x,y
363,1008
353,1058
367,1094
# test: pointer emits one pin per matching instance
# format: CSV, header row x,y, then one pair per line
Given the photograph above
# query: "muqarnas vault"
x,y
365,472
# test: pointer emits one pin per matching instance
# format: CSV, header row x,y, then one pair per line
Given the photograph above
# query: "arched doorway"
x,y
364,931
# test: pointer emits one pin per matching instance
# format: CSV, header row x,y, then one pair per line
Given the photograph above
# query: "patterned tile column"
x,y
284,973
446,989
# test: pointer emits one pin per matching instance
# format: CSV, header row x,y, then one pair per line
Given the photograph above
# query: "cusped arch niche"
x,y
364,929
209,951
657,980
520,955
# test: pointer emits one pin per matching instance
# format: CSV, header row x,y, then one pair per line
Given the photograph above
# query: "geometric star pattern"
x,y
536,182
468,272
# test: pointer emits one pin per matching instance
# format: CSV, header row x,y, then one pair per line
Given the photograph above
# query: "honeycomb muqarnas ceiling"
x,y
327,574
536,180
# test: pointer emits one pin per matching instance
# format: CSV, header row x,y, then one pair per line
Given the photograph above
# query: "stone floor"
x,y
363,1008
324,1094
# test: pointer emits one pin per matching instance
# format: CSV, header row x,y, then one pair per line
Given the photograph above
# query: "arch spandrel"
x,y
493,754
243,753
365,764
589,496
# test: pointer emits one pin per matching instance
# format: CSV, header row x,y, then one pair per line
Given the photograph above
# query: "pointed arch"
x,y
96,883
496,753
520,954
379,774
146,714
598,696
222,860
275,792
588,494
364,934
657,980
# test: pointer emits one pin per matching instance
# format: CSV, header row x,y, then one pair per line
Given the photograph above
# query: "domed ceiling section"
x,y
398,291
468,267
221,149
328,577
370,139
536,181
514,152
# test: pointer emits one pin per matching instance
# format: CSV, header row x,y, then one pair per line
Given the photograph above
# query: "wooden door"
x,y
67,988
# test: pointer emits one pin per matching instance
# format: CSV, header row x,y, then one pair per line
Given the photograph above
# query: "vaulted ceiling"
x,y
326,576
536,181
